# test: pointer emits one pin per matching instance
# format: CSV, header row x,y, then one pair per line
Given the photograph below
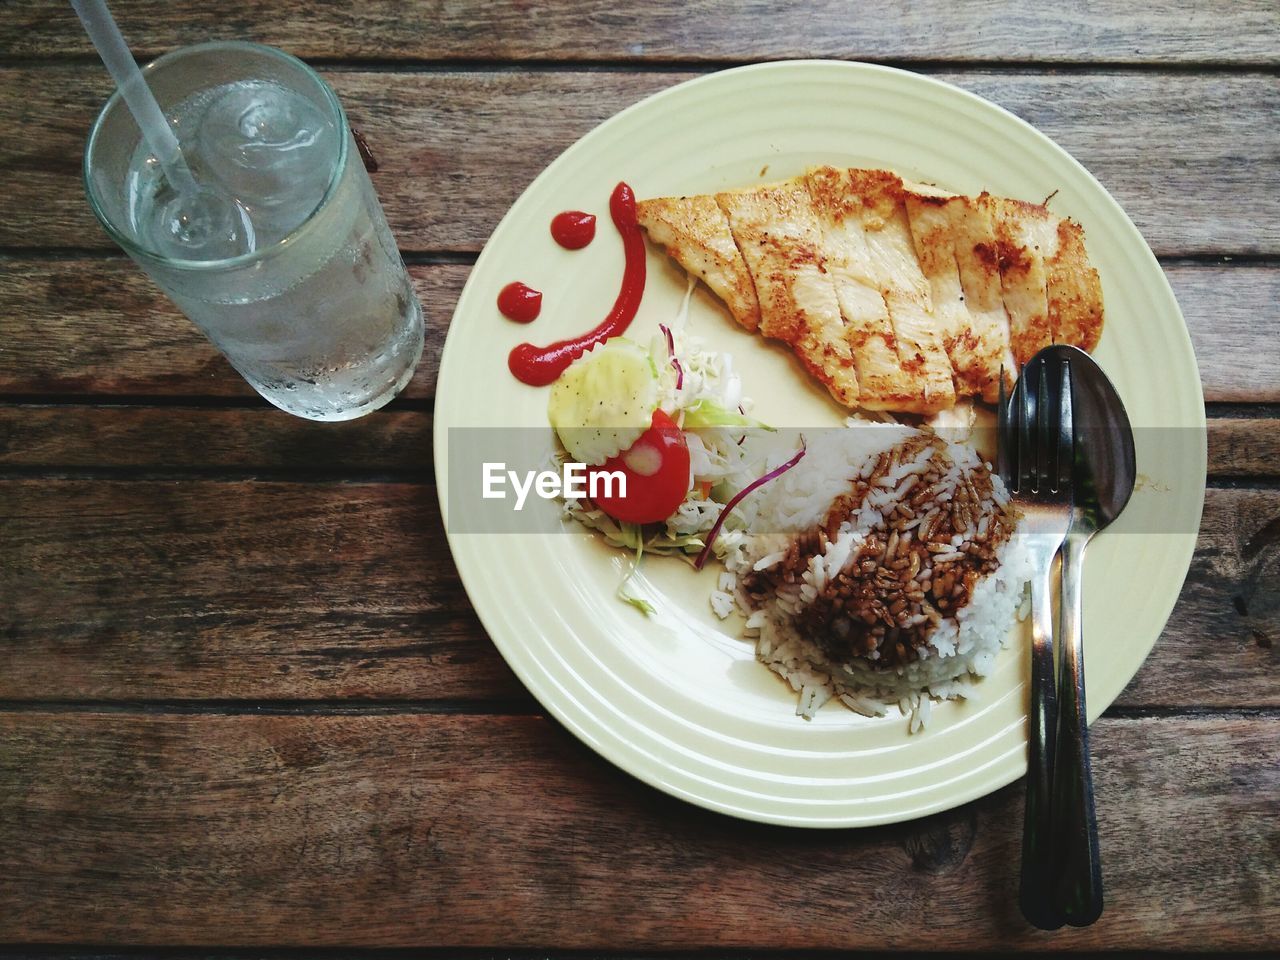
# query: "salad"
x,y
671,419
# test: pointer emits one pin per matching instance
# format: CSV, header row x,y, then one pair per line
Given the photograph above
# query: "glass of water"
x,y
287,263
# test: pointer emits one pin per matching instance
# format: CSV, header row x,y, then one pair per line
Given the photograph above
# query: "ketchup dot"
x,y
573,229
519,302
539,366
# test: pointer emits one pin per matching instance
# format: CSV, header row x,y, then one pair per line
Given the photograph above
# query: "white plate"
x,y
677,699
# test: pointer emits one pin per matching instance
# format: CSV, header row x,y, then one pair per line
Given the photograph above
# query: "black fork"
x,y
1034,456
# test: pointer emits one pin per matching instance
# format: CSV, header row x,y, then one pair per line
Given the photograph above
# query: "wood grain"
x,y
199,590
89,326
505,832
144,590
1223,636
389,441
160,439
1190,156
1244,447
1226,336
702,30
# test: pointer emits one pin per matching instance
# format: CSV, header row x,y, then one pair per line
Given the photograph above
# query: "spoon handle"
x,y
1035,894
1078,891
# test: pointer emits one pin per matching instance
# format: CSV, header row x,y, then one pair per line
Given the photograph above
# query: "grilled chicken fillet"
x,y
1025,232
895,295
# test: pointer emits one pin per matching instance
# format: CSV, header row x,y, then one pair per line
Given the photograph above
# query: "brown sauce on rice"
x,y
909,573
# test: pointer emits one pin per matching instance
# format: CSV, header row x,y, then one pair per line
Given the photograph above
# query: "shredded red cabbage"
x,y
738,497
671,342
671,353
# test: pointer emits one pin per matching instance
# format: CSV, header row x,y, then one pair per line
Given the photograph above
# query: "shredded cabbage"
x,y
699,390
708,413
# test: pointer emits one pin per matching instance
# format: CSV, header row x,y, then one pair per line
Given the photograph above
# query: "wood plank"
x,y
89,326
1223,637
159,439
702,30
1227,336
505,832
145,590
1247,447
200,590
1190,156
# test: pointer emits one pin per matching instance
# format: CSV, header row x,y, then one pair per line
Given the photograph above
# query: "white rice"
x,y
961,649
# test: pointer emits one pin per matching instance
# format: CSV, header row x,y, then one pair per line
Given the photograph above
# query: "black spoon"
x,y
1103,478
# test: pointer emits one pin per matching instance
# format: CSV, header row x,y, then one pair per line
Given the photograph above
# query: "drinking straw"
x,y
157,133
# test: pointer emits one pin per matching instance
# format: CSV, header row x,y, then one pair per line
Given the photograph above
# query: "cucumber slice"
x,y
605,400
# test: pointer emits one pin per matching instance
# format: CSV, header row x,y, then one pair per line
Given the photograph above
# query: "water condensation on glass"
x,y
327,326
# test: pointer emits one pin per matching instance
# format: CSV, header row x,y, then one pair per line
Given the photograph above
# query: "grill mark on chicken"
x,y
1075,291
695,233
882,381
1026,236
781,242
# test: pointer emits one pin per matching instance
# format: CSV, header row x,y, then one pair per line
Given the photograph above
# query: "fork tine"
x,y
1014,415
1025,403
1044,429
1002,433
1066,431
1018,430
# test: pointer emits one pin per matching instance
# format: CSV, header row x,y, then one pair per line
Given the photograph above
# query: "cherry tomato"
x,y
656,468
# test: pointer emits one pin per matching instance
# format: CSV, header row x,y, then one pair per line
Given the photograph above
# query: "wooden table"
x,y
244,701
